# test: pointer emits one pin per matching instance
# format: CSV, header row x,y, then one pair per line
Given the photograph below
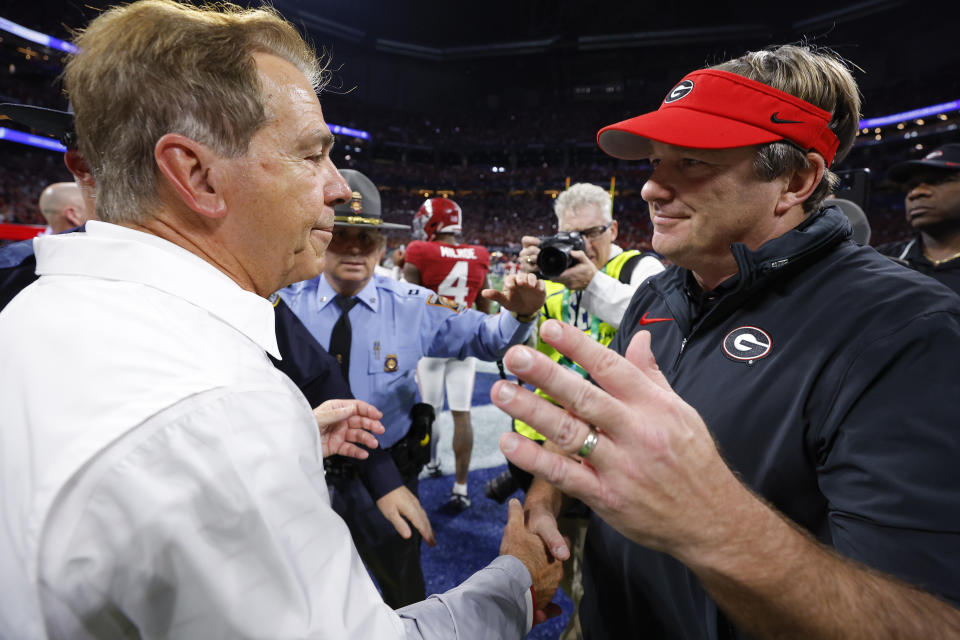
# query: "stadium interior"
x,y
497,105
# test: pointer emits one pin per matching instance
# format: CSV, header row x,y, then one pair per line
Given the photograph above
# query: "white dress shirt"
x,y
162,479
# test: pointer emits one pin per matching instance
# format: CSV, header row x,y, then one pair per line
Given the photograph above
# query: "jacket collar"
x,y
792,251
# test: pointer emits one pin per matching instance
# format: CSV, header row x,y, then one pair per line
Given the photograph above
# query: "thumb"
x,y
327,417
494,295
514,513
400,524
639,354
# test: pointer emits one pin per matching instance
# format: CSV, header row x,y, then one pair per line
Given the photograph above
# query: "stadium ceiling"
x,y
440,30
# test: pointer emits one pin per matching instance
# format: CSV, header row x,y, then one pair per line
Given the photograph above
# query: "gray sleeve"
x,y
494,603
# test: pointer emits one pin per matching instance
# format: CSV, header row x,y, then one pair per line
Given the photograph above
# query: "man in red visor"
x,y
773,453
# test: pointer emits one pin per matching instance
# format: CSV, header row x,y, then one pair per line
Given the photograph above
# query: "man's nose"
x,y
655,189
337,191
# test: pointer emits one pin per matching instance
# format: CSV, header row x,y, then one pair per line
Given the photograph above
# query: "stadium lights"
x,y
49,143
922,112
56,43
34,141
36,36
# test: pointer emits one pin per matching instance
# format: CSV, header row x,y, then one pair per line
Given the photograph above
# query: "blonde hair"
x,y
580,194
157,66
822,78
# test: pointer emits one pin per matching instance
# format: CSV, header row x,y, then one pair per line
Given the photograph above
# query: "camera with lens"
x,y
554,257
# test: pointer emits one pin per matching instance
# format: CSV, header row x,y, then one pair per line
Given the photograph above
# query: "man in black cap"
x,y
379,328
932,207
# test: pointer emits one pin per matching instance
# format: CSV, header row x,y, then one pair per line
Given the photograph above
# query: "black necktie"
x,y
340,338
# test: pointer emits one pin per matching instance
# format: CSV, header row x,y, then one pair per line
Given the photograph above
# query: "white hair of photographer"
x,y
580,194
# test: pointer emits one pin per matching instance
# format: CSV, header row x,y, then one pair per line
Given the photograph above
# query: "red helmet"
x,y
437,215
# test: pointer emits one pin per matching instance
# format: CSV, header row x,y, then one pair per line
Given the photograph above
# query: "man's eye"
x,y
317,157
691,162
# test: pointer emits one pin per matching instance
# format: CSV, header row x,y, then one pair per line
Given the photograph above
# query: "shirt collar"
x,y
111,252
368,296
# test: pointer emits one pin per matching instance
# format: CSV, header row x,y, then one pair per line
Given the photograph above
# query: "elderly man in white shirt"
x,y
160,477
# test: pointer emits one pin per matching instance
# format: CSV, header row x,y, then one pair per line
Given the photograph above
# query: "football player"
x,y
459,272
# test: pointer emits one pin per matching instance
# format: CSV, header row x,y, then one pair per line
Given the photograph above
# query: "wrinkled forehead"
x,y
287,95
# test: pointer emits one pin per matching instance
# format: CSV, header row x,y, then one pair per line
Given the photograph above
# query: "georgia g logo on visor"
x,y
745,344
679,91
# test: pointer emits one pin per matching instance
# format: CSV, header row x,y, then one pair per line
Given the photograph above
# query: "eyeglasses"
x,y
593,232
346,237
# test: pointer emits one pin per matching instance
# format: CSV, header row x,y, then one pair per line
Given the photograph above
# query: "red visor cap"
x,y
711,109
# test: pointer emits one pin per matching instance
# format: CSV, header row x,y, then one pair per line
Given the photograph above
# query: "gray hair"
x,y
155,67
580,194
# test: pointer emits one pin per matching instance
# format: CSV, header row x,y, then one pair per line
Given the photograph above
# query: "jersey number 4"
x,y
455,284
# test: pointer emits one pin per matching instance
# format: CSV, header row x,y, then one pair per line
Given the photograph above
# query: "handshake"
x,y
529,548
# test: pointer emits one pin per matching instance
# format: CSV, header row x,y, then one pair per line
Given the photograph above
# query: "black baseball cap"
x,y
49,122
946,158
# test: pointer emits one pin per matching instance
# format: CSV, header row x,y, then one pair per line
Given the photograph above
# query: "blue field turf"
x,y
469,540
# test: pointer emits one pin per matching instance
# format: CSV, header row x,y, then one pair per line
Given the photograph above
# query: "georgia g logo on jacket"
x,y
746,344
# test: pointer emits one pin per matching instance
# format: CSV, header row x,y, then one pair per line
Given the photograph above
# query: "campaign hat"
x,y
49,122
364,208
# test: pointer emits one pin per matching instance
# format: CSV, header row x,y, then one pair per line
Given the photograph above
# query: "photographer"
x,y
590,280
601,277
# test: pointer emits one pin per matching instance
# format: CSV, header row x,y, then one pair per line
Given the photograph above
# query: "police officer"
x,y
932,206
378,329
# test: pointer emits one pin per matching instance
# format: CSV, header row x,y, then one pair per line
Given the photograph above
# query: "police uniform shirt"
x,y
394,325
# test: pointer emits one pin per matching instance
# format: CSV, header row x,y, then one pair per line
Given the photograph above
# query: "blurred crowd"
x,y
504,169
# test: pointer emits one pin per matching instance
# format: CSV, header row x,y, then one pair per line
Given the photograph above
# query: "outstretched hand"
x,y
654,475
523,293
346,423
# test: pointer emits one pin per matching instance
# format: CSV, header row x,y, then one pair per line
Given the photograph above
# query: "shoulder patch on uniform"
x,y
437,300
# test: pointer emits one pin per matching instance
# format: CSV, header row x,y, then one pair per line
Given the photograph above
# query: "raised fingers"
x,y
585,400
559,426
618,377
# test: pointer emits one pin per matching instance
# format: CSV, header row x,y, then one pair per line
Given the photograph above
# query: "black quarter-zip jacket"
x,y
830,377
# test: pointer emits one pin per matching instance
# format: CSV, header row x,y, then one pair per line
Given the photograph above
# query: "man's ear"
x,y
78,166
71,214
189,168
801,184
613,231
